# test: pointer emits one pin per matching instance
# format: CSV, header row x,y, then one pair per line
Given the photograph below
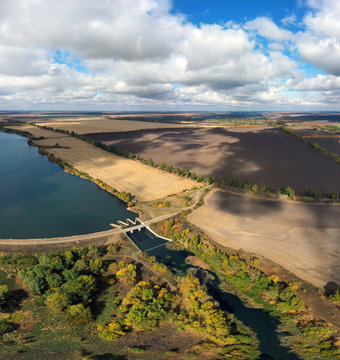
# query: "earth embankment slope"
x,y
145,182
302,238
258,154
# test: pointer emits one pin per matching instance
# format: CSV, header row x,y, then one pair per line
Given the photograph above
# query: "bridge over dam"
x,y
135,224
55,243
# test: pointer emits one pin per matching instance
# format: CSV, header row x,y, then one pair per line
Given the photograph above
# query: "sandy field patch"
x,y
100,125
145,182
260,154
302,238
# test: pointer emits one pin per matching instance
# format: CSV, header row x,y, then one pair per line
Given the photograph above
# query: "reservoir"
x,y
39,199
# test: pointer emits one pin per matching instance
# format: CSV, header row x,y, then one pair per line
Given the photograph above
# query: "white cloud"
x,y
319,83
131,52
319,44
267,28
289,20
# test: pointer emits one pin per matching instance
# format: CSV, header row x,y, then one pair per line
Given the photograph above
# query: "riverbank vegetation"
x,y
126,197
309,337
132,156
99,301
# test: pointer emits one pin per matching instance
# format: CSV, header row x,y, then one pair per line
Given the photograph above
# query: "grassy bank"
x,y
310,337
91,302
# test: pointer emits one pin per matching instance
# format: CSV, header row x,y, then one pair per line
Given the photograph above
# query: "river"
x,y
258,320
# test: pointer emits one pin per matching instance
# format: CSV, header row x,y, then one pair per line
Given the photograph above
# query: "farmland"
x,y
257,154
144,182
302,238
84,126
321,136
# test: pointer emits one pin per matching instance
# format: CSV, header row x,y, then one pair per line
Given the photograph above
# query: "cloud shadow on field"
x,y
267,155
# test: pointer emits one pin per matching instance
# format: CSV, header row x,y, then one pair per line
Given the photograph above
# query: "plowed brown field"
x,y
145,182
255,154
302,238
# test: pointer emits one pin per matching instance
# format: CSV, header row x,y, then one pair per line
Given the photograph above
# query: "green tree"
x,y
127,274
4,294
79,313
81,265
200,178
112,249
93,251
310,192
54,280
70,274
336,296
80,289
57,302
96,266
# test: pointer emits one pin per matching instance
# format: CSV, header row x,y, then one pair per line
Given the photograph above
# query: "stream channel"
x,y
38,199
258,320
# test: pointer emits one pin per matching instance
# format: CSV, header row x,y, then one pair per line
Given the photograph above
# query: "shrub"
x,y
79,313
112,331
336,296
57,302
4,294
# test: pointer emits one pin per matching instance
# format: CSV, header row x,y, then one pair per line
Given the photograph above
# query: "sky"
x,y
170,55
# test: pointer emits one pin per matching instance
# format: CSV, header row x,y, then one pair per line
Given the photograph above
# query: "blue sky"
x,y
170,55
221,11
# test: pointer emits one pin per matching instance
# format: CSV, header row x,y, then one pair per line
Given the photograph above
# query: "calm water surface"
x,y
257,319
38,199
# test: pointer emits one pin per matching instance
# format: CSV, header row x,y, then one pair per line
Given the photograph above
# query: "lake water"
x,y
38,199
257,319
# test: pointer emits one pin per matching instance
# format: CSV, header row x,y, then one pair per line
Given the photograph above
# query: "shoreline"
x,y
63,164
290,234
121,175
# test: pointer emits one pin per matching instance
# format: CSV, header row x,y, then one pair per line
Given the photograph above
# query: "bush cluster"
x,y
66,281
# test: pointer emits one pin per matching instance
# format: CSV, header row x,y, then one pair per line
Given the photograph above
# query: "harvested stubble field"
x,y
102,125
258,155
302,238
145,182
37,132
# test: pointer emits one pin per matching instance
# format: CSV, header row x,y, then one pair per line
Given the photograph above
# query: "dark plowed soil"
x,y
255,154
332,145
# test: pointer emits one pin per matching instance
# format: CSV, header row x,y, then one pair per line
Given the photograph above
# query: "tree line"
x,y
307,338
